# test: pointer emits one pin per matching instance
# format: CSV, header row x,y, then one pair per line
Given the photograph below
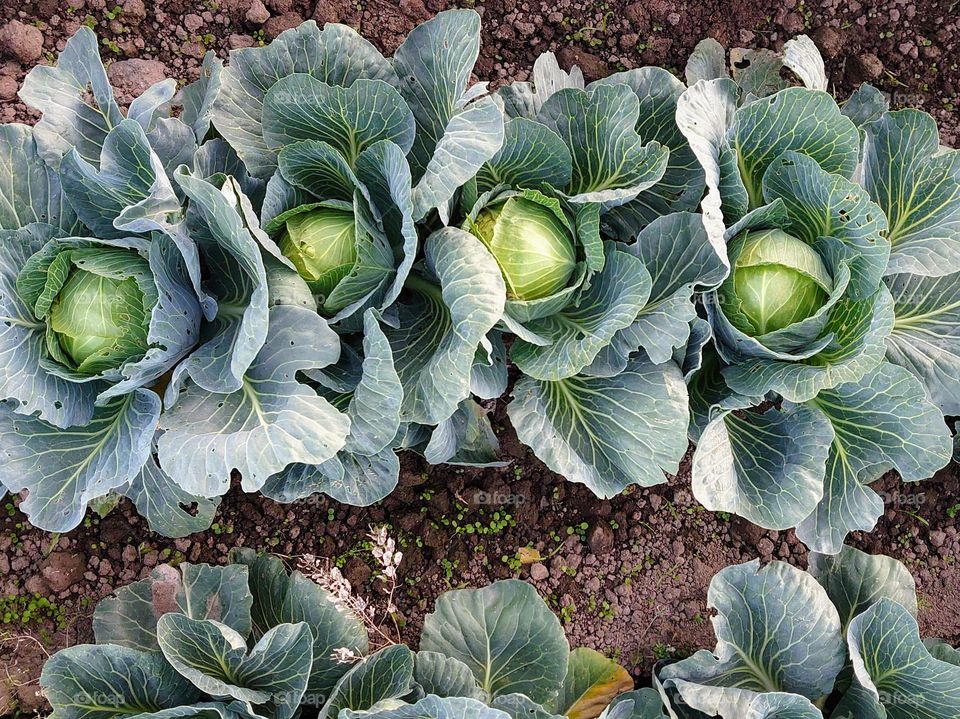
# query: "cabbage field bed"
x,y
315,339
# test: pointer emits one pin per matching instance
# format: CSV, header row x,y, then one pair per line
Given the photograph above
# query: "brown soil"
x,y
628,576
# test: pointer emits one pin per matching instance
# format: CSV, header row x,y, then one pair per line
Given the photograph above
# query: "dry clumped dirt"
x,y
628,576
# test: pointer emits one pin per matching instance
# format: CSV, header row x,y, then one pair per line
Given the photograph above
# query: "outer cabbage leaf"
x,y
385,675
432,707
215,659
805,121
76,100
918,187
89,681
896,670
776,631
606,432
855,581
167,508
680,259
440,328
454,136
591,683
236,277
765,467
506,634
336,55
280,597
882,422
64,470
611,162
31,190
444,676
926,334
681,186
199,591
271,421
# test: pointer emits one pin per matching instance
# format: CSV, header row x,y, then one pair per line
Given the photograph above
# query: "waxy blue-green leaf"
x,y
335,55
434,707
800,54
524,99
576,334
776,631
681,186
27,383
926,334
680,259
705,113
520,706
638,704
612,164
882,422
89,681
865,105
891,664
855,581
708,61
198,96
271,421
199,591
127,191
488,379
918,186
30,190
756,72
805,121
465,438
532,156
454,136
215,659
819,204
355,479
63,471
767,468
606,432
444,676
387,674
591,683
439,330
167,508
76,100
236,277
506,634
350,119
281,597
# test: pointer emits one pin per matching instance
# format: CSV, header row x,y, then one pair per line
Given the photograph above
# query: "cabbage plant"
x,y
838,642
251,639
587,210
362,156
144,307
802,400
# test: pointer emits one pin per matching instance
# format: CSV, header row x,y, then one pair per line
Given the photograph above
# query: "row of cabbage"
x,y
316,256
249,640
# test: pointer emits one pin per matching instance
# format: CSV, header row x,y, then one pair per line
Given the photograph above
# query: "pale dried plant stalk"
x,y
328,576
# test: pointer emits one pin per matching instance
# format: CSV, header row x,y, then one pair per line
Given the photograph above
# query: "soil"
x,y
627,576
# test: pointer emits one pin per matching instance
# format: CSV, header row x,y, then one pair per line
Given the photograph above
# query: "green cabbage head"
x,y
99,318
322,246
534,250
777,280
